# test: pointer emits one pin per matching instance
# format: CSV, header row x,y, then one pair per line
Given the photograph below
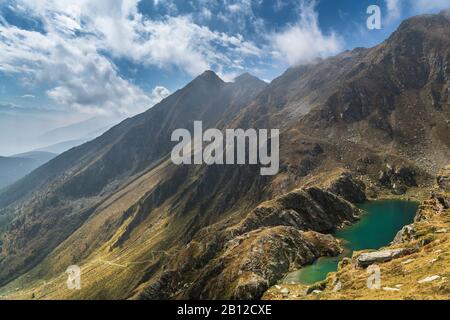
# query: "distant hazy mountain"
x,y
82,131
20,127
64,146
39,156
18,166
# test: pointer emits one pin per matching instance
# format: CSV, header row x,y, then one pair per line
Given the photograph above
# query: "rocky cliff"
x,y
242,260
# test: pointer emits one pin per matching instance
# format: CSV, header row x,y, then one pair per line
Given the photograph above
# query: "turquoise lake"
x,y
377,228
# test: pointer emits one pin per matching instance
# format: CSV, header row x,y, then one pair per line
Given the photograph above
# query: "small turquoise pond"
x,y
377,228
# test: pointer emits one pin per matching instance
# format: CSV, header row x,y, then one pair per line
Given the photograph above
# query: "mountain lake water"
x,y
377,228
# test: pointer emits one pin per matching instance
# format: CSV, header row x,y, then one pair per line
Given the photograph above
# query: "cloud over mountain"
x,y
304,41
72,52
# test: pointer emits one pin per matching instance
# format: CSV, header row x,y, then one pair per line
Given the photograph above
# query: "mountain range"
x,y
365,123
16,167
36,129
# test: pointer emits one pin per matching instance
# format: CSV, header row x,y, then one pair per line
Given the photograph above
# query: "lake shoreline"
x,y
362,235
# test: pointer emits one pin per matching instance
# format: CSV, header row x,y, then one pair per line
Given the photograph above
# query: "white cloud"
x,y
68,55
28,96
304,42
159,93
431,5
80,78
172,41
205,13
395,7
394,10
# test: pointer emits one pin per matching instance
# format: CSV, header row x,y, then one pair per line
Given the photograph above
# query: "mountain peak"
x,y
208,78
209,75
246,79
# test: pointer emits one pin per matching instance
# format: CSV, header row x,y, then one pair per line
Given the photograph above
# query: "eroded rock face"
x,y
349,188
406,234
310,209
259,261
398,179
243,260
436,205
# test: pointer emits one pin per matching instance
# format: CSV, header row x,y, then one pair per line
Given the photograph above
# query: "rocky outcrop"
x,y
406,234
443,180
243,260
257,260
436,205
366,259
308,209
397,179
349,188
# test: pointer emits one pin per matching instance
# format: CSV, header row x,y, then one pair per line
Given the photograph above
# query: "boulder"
x,y
285,292
366,259
442,199
429,279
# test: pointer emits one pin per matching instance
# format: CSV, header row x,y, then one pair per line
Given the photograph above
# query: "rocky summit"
x,y
366,124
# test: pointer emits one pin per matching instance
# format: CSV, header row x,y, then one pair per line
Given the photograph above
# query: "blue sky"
x,y
122,56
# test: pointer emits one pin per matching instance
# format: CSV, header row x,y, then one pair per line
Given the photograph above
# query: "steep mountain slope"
x,y
141,227
393,97
67,190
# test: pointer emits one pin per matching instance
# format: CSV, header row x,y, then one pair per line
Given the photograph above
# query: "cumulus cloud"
x,y
80,78
159,93
121,29
304,42
72,54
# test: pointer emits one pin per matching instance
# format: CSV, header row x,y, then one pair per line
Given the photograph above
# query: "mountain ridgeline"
x,y
365,122
16,167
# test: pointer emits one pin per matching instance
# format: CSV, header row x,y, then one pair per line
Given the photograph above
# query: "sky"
x,y
120,57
